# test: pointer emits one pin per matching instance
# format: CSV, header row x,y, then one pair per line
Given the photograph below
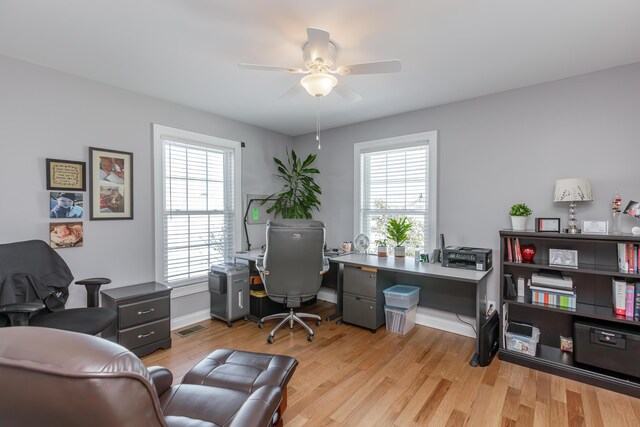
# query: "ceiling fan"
x,y
319,55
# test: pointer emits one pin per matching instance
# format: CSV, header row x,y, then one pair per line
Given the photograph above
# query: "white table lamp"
x,y
573,190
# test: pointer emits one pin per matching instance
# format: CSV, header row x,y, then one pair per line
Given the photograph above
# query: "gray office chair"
x,y
292,268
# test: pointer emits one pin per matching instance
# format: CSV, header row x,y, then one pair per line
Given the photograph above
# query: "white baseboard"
x,y
426,316
189,319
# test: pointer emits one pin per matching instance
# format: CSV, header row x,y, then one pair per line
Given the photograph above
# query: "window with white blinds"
x,y
198,208
394,182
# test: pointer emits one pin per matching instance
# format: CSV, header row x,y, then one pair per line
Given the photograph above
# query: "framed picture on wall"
x,y
111,184
66,175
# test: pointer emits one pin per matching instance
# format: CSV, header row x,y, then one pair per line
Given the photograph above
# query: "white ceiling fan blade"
x,y
318,43
346,92
391,66
296,89
260,67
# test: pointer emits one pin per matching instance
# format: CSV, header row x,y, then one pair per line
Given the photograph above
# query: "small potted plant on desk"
x,y
519,214
398,231
382,247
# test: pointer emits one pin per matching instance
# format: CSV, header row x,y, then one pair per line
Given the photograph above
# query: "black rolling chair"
x,y
34,287
292,269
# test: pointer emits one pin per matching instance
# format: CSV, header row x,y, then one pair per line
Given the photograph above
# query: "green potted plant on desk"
x,y
519,214
382,247
398,231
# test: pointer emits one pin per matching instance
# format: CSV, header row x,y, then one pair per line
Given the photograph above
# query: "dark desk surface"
x,y
408,265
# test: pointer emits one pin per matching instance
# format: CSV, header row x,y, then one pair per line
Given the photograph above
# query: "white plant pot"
x,y
382,251
399,251
519,223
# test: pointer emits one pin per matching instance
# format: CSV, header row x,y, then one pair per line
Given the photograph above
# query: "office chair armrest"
x,y
22,307
260,263
20,312
162,378
325,265
93,287
259,409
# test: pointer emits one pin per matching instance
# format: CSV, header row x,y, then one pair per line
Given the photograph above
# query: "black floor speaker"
x,y
489,339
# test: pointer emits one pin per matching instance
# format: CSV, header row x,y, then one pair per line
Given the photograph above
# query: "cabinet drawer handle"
x,y
146,312
146,335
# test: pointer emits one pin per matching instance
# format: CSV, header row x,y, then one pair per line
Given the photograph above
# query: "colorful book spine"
x,y
509,253
631,268
558,300
629,301
635,258
622,258
637,304
619,289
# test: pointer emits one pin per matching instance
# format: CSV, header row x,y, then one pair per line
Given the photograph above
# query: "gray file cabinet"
x,y
143,324
362,296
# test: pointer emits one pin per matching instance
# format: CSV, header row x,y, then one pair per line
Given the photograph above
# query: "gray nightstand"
x,y
143,324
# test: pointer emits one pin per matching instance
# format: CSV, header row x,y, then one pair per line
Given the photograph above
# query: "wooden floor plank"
x,y
348,376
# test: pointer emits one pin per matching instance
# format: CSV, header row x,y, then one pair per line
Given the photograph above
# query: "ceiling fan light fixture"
x,y
318,84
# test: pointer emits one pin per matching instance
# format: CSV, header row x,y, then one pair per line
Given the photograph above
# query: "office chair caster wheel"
x,y
310,337
229,324
317,323
373,331
270,339
260,325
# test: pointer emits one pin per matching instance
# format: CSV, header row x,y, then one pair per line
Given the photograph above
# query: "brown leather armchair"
x,y
58,378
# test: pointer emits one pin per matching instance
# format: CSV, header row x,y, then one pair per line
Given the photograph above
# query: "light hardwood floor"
x,y
349,376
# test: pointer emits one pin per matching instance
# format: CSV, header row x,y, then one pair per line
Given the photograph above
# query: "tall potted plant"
x,y
398,231
299,194
519,214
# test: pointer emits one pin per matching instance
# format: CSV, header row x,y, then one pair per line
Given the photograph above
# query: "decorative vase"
x,y
528,252
382,251
519,223
399,251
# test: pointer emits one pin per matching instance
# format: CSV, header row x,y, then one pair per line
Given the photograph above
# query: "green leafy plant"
x,y
398,230
299,195
381,242
520,209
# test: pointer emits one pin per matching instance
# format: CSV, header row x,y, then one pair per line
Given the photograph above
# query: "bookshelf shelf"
x,y
592,280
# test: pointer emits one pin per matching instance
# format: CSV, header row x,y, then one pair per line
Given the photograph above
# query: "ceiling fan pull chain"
x,y
318,123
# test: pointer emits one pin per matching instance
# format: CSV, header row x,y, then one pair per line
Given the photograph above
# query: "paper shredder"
x,y
229,290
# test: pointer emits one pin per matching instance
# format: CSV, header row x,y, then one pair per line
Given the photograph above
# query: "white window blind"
x,y
199,209
395,183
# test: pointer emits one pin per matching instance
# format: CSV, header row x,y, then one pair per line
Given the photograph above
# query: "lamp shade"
x,y
573,190
318,84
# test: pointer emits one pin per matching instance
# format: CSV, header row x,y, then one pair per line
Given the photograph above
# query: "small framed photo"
x,y
111,183
66,204
548,225
595,227
65,234
66,175
563,258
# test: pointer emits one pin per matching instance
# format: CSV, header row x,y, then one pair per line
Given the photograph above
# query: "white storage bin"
x,y
522,343
400,320
402,296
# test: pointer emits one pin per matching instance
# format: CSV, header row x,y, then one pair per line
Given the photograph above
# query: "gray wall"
x,y
49,114
501,149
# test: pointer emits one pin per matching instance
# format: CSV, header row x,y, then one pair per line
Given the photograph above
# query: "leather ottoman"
x,y
244,371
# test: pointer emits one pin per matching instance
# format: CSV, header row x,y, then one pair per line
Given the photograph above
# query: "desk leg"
x,y
481,314
338,314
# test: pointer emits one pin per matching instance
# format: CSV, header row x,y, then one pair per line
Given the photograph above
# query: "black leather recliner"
x,y
34,287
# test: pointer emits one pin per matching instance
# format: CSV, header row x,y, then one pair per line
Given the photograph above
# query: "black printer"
x,y
468,258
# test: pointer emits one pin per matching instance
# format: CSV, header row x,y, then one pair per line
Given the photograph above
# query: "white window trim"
x,y
394,143
161,132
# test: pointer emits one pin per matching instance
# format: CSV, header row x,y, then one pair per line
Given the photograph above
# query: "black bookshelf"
x,y
598,264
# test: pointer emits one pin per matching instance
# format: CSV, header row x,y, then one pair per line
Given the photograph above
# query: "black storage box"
x,y
260,307
613,348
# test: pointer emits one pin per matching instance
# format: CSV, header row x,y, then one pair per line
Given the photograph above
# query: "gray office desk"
x,y
449,289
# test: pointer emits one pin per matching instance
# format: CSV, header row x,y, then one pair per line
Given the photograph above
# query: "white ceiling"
x,y
187,51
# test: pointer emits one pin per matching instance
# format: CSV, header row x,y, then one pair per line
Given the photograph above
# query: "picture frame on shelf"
x,y
66,175
595,227
111,184
548,225
563,258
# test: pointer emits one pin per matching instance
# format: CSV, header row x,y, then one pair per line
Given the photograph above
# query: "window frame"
x,y
430,139
160,133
